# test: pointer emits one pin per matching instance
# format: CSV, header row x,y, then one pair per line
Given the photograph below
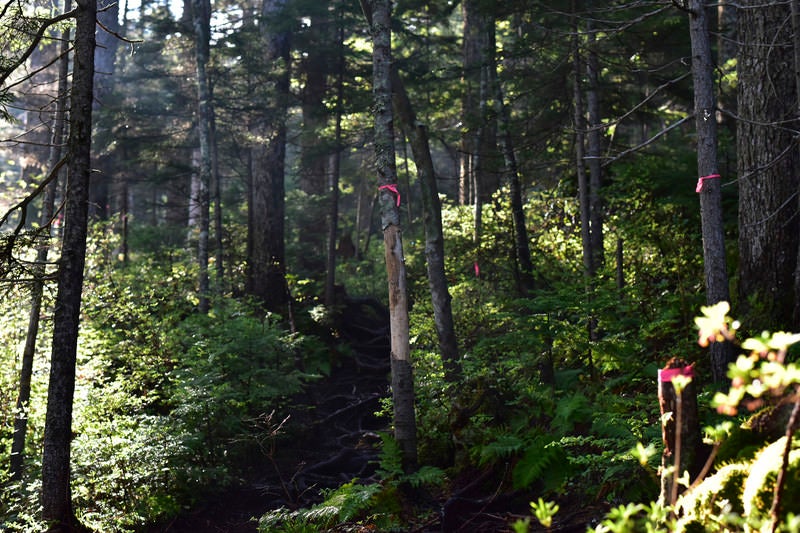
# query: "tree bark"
x,y
768,168
580,156
37,287
593,150
334,170
522,248
434,234
469,99
56,497
104,82
266,276
315,145
709,188
405,429
315,68
216,179
584,190
680,428
201,22
795,8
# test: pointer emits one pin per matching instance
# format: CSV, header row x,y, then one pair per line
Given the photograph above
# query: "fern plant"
x,y
348,502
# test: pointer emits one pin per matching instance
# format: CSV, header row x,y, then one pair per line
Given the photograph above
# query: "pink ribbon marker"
x,y
392,188
702,179
666,375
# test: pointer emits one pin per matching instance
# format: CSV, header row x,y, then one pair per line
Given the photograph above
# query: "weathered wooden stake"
x,y
680,427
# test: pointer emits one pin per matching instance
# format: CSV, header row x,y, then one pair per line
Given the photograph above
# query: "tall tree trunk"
x,y
56,498
768,167
314,143
580,156
434,235
796,53
470,78
584,200
266,276
314,67
37,287
216,179
522,248
593,149
716,272
201,21
484,182
405,428
104,82
334,169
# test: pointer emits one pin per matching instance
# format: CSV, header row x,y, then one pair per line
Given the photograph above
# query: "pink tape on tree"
x,y
666,375
392,188
701,181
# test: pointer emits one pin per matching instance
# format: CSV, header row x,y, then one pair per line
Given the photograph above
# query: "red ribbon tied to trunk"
x,y
701,181
392,188
666,375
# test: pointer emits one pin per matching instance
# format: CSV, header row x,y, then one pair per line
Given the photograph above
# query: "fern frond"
x,y
426,475
504,446
544,460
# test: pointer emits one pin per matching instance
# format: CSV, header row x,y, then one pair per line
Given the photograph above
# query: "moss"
x,y
763,427
760,484
720,491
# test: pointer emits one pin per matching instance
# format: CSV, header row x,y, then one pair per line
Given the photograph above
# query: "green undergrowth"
x,y
385,504
540,407
753,491
170,406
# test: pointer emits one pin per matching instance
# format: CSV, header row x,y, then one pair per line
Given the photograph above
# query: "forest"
x,y
448,266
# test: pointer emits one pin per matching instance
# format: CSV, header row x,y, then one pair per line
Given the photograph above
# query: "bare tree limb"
x,y
28,199
648,141
117,35
34,43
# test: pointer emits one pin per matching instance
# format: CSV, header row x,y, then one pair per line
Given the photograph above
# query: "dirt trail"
x,y
333,432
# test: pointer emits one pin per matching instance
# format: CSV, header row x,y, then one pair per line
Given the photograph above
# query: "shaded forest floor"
x,y
330,437
334,438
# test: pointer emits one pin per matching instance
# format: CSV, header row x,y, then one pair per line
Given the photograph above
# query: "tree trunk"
x,y
767,166
314,67
584,199
434,235
484,182
104,81
201,20
315,145
796,53
266,276
709,188
56,498
580,157
37,287
469,101
216,179
405,429
680,427
523,251
334,170
593,149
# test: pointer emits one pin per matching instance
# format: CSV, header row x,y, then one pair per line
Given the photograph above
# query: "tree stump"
x,y
680,427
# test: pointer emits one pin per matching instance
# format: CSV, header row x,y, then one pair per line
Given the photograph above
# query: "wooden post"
x,y
680,426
